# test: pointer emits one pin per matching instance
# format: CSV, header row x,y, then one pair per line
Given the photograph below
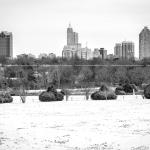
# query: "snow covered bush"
x,y
120,91
104,93
128,88
5,98
50,96
147,92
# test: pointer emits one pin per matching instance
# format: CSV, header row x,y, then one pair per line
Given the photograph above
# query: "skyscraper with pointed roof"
x,y
73,47
72,37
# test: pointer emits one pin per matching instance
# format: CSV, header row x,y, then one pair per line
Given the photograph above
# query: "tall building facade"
x,y
127,50
84,53
6,44
96,53
144,43
73,47
118,50
124,50
72,37
100,53
103,53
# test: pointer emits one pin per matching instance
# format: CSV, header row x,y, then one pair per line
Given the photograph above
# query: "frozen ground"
x,y
122,124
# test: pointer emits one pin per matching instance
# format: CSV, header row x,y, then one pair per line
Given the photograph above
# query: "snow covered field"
x,y
122,124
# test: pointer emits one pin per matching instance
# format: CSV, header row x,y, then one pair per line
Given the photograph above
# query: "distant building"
x,y
31,55
103,53
74,48
96,53
127,50
118,50
72,37
124,50
84,53
100,53
110,56
6,44
42,55
70,50
52,56
144,43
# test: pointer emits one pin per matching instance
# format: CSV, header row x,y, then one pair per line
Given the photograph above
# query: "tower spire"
x,y
69,25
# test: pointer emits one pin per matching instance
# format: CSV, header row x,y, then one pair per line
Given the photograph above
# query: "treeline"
x,y
31,73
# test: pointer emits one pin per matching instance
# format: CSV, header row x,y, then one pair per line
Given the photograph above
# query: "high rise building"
x,y
96,53
75,38
144,43
6,44
74,48
127,50
70,50
118,50
70,35
52,56
84,53
100,53
124,50
103,53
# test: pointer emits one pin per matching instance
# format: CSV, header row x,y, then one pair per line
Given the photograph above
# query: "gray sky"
x,y
39,26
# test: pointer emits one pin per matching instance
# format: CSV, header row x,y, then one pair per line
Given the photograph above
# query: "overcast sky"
x,y
39,26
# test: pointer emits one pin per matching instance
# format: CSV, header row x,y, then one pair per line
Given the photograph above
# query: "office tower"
x,y
118,50
110,56
70,50
70,35
127,50
144,43
100,53
6,44
96,53
84,53
103,53
124,50
75,38
52,55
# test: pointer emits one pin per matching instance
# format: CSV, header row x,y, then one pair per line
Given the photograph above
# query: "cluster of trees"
x,y
35,73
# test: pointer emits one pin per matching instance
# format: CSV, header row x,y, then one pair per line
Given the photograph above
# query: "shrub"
x,y
5,98
51,96
103,95
119,91
104,87
59,96
147,91
128,88
47,96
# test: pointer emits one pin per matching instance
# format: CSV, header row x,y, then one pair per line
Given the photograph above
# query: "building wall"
x,y
70,36
84,53
127,50
103,53
96,53
124,50
6,47
144,43
70,50
75,38
118,50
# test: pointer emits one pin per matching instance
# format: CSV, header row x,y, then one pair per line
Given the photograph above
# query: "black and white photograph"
x,y
74,74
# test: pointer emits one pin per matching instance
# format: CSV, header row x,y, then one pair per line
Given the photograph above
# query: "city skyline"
x,y
40,27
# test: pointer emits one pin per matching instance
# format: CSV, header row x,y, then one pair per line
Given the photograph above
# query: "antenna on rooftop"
x,y
86,43
69,24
